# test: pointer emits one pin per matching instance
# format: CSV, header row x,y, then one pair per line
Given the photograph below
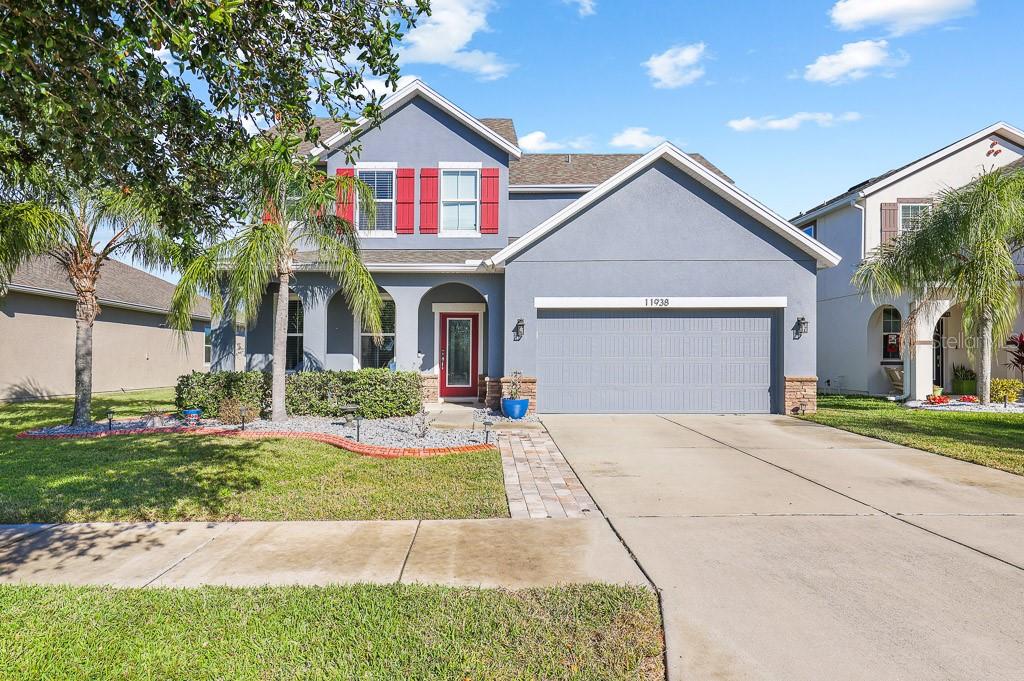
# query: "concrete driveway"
x,y
789,550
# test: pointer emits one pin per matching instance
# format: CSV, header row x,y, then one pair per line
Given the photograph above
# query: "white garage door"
x,y
622,361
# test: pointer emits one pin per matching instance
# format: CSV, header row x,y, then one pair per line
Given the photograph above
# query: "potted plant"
x,y
965,380
192,416
513,406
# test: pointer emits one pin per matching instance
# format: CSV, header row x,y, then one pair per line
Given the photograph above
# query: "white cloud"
x,y
537,142
853,62
636,138
896,16
823,120
585,7
676,66
377,86
442,39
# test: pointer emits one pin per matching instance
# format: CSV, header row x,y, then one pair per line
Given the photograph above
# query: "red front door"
x,y
458,353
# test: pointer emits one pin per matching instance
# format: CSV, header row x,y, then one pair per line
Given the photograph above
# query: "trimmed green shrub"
x,y
380,393
206,391
1007,389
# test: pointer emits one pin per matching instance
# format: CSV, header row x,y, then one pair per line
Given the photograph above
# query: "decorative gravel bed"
x,y
401,432
995,407
481,415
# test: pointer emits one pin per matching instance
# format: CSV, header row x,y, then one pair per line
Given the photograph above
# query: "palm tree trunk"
x,y
985,358
278,412
86,310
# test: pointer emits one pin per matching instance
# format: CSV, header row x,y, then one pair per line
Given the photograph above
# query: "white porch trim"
x,y
659,303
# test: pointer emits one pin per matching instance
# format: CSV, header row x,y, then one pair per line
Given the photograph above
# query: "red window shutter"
x,y
890,221
345,208
428,200
489,201
405,201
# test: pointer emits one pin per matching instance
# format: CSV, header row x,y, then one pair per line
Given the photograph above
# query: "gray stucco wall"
x,y
419,135
526,211
663,234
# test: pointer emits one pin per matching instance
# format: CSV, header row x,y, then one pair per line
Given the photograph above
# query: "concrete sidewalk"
x,y
488,553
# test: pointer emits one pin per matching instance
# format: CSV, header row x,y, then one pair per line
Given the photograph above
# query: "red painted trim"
x,y
443,389
405,200
325,438
428,200
489,201
345,208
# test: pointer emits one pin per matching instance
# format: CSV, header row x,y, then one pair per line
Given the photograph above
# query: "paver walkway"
x,y
539,481
488,553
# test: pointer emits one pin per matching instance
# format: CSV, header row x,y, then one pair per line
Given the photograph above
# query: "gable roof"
x,y
504,127
879,182
119,285
581,170
824,256
418,88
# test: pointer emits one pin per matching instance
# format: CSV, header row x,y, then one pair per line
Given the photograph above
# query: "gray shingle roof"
x,y
410,256
579,168
504,127
118,283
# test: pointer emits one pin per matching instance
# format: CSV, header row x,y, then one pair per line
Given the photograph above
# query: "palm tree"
x,y
964,250
291,202
81,228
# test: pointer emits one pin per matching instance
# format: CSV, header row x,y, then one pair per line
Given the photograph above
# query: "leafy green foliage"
x,y
380,393
1006,389
154,95
962,372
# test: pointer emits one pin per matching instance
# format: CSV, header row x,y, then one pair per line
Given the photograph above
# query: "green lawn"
x,y
342,632
184,477
990,439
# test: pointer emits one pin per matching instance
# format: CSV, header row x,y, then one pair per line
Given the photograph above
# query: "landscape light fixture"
x,y
487,431
242,412
518,330
110,420
359,421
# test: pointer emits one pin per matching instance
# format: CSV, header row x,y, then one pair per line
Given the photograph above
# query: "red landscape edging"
x,y
375,451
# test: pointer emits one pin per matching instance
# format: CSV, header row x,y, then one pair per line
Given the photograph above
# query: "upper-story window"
x,y
811,229
382,182
910,215
460,201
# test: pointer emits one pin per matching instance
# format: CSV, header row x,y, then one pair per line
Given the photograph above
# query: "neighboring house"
x,y
613,282
859,339
132,345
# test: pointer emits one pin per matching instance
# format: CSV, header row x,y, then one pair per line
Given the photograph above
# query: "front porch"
x,y
910,364
448,327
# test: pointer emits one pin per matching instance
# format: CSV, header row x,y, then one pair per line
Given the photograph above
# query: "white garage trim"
x,y
660,303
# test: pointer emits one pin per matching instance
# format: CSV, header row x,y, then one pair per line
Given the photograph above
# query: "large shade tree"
x,y
160,96
965,249
45,215
292,208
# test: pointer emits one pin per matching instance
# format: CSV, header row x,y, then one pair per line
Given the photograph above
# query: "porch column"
x,y
407,303
921,363
222,341
314,328
495,336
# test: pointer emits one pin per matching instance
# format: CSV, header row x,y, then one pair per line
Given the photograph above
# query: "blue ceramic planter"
x,y
514,409
192,416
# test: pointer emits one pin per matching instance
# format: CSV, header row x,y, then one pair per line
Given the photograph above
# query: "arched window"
x,y
371,355
293,347
892,327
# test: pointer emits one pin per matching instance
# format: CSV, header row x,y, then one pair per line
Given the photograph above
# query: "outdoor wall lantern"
x,y
518,330
801,327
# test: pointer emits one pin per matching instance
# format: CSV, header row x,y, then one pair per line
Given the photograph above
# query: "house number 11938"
x,y
656,302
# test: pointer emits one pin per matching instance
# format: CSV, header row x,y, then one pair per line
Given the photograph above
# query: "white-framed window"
x,y
892,327
293,344
910,215
372,355
207,344
382,182
460,200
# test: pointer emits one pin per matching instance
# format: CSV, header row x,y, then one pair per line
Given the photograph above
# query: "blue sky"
x,y
796,101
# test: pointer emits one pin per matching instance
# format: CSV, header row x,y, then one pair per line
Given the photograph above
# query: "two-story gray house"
x,y
613,282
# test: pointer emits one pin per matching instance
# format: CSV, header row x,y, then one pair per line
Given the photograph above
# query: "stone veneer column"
x,y
429,388
801,394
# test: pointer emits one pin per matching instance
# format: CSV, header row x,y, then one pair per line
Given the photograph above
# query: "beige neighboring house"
x,y
133,347
861,343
